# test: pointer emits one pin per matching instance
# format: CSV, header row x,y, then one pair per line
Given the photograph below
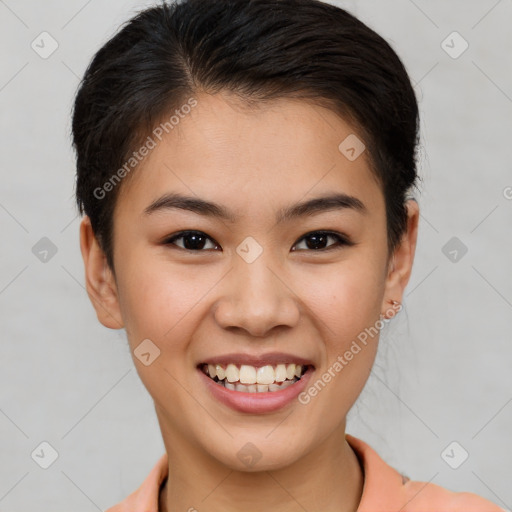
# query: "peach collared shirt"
x,y
384,490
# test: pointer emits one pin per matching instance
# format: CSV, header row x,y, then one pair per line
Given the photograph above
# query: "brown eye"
x,y
317,240
192,240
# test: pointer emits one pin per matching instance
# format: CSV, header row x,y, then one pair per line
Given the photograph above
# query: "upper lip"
x,y
257,360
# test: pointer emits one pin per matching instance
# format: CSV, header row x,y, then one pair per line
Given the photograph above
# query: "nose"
x,y
256,298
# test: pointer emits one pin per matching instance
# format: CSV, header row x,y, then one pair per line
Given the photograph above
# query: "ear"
x,y
400,265
100,282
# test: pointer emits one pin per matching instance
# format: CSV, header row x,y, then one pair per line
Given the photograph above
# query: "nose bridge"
x,y
256,279
252,266
255,298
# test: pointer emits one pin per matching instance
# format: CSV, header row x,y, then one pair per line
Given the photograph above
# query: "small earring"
x,y
393,303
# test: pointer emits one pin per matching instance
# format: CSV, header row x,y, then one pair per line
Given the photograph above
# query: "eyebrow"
x,y
331,202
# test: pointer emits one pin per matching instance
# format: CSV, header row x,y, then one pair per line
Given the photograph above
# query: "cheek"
x,y
345,304
346,298
158,303
156,299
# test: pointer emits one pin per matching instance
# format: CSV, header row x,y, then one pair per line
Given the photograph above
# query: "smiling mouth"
x,y
250,379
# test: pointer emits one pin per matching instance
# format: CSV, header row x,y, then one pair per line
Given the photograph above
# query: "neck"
x,y
328,479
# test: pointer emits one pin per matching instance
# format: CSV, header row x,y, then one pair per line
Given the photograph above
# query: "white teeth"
x,y
280,373
262,379
265,375
274,387
248,374
256,388
277,387
232,373
251,388
221,373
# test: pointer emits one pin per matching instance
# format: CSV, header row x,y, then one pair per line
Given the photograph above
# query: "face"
x,y
266,283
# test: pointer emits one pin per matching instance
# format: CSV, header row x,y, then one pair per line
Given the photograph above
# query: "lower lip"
x,y
256,403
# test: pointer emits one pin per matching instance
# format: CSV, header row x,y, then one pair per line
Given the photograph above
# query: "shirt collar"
x,y
382,487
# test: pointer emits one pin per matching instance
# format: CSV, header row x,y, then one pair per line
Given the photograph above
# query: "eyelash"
x,y
342,240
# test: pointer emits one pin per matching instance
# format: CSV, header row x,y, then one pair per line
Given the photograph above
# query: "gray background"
x,y
443,372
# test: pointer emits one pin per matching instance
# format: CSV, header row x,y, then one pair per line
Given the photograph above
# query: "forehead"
x,y
249,157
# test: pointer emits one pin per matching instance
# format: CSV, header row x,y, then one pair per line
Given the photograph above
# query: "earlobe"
x,y
100,283
400,266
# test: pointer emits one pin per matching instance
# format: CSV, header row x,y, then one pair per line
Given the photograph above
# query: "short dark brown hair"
x,y
258,50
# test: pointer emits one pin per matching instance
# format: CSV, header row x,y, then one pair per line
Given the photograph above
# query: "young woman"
x,y
245,170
